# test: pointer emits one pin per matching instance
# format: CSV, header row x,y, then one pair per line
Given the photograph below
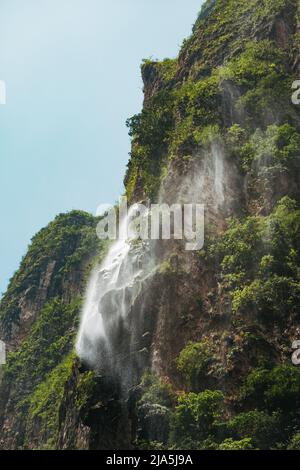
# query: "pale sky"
x,y
72,75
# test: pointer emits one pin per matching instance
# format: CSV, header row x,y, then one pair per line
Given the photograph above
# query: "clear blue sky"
x,y
72,74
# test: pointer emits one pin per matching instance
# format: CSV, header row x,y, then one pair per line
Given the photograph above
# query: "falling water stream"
x,y
109,337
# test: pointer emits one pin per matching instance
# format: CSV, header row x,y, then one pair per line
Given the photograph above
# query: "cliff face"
x,y
217,127
39,317
230,88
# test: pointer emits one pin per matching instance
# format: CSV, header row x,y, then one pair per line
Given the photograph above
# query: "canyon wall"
x,y
212,329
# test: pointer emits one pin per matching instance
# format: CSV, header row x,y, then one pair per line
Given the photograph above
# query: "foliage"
x,y
194,361
258,426
50,339
272,299
62,246
195,417
37,371
257,61
277,146
273,390
225,87
230,444
224,26
44,403
153,410
84,389
259,259
156,390
149,131
166,68
295,442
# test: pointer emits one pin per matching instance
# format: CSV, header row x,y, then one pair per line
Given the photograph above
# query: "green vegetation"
x,y
260,263
44,403
40,368
50,339
231,86
58,249
166,69
295,442
277,147
223,27
179,120
207,420
194,363
230,444
46,400
37,372
195,418
153,410
156,391
273,390
235,389
149,131
260,428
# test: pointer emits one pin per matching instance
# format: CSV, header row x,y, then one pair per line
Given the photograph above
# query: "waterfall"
x,y
218,175
109,337
116,332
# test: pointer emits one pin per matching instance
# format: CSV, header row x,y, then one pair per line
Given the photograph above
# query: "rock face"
x,y
215,326
38,321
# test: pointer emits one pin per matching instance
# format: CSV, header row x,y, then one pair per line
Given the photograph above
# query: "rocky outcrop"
x,y
218,128
50,281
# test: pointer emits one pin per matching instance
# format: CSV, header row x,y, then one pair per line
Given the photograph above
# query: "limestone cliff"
x,y
218,126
